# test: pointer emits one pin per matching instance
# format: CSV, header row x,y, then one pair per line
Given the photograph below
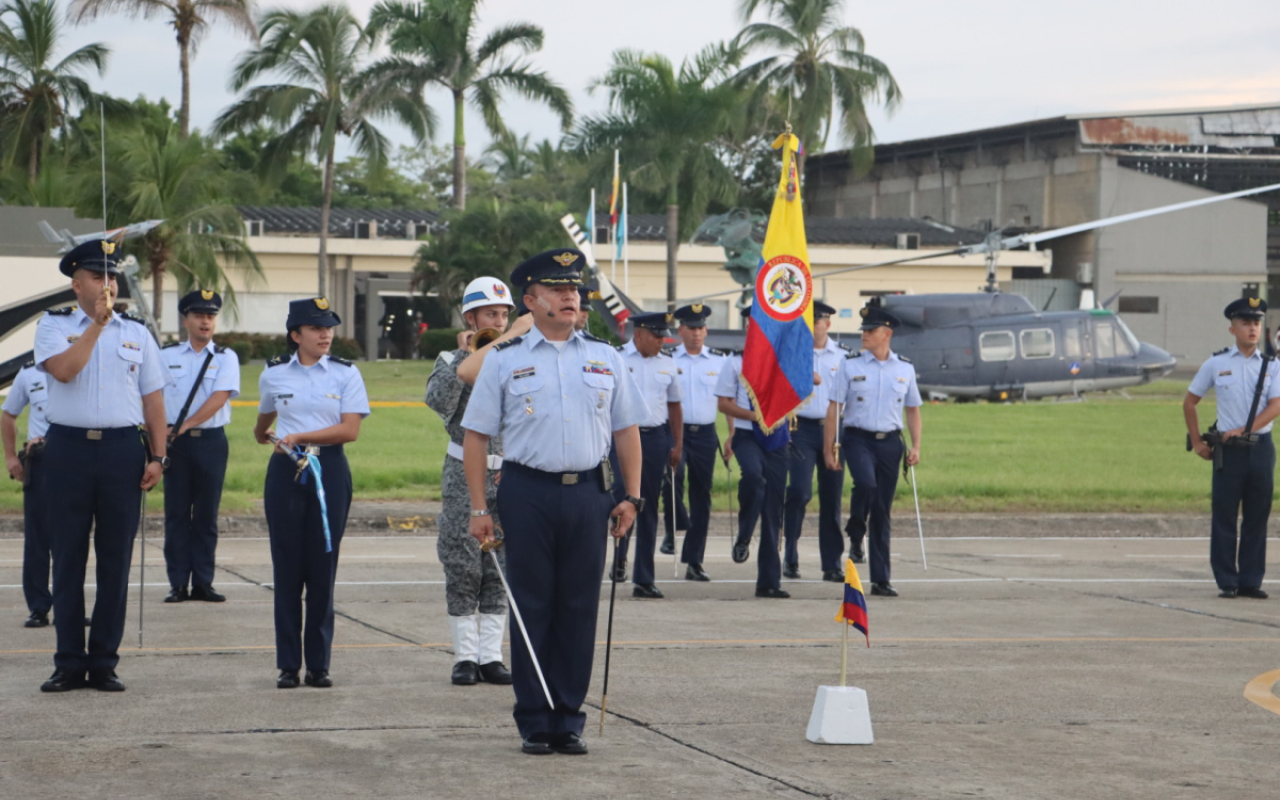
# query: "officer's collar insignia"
x,y
565,259
863,312
1254,301
499,290
322,303
206,294
108,247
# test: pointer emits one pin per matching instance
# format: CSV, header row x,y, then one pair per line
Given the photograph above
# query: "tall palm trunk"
x,y
326,204
673,244
459,152
184,62
33,160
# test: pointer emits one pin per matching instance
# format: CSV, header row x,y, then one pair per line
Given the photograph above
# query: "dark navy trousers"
x,y
761,488
37,545
302,572
1242,489
192,495
555,535
698,461
874,465
91,484
655,449
806,453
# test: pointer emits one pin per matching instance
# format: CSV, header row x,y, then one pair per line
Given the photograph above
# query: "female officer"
x,y
317,402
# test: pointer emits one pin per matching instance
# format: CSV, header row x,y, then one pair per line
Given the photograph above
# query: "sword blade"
x,y
524,632
919,524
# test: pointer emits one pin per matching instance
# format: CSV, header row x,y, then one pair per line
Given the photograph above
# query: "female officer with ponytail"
x,y
317,403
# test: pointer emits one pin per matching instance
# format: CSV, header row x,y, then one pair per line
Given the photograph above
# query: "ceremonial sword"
x,y
489,547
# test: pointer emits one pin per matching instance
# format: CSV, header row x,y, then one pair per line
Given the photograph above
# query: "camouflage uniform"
x,y
471,582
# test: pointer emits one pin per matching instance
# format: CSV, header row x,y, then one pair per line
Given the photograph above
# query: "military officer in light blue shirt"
x,y
806,454
698,368
106,378
877,390
560,398
1244,469
30,389
206,377
661,435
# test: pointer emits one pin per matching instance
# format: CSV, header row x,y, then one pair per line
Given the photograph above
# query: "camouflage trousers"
x,y
470,580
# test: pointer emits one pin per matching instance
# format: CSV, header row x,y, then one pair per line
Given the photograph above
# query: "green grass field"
x,y
1106,454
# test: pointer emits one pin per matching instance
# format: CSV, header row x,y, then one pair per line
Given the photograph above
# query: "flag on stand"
x,y
854,608
777,363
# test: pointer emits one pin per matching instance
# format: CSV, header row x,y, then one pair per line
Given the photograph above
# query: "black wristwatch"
x,y
163,461
638,502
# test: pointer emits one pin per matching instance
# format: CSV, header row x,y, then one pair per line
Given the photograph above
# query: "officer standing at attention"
x,y
30,388
806,453
877,388
317,402
473,592
762,483
559,398
198,403
661,435
1243,474
698,369
584,308
106,378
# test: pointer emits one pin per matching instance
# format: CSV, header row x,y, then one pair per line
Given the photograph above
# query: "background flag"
x,y
613,199
854,608
777,363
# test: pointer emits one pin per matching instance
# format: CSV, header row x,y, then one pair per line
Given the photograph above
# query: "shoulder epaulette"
x,y
131,317
507,343
170,344
1220,352
716,352
344,362
30,363
854,354
904,359
593,338
220,348
844,347
276,361
618,347
61,312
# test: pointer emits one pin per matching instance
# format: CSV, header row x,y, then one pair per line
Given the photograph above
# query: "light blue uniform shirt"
x,y
874,392
656,379
30,388
311,398
184,365
728,385
827,363
556,408
698,376
1233,379
124,366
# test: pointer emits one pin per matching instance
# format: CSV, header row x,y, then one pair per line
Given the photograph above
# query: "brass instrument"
x,y
483,337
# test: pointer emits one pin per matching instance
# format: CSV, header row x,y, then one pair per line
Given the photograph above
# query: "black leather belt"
x,y
654,428
697,428
562,478
811,420
92,434
196,433
877,435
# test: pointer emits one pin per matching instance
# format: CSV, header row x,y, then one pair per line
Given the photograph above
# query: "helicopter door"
x,y
996,352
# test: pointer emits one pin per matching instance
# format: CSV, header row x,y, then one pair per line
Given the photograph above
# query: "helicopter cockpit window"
x,y
1037,343
996,346
1108,342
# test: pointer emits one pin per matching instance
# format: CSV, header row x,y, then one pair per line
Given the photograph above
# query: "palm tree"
x,y
823,71
510,157
190,20
319,51
663,122
160,174
36,92
433,43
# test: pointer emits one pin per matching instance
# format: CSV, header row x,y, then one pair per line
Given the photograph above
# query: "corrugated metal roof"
x,y
392,223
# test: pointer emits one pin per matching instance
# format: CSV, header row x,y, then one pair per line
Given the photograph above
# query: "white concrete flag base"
x,y
840,716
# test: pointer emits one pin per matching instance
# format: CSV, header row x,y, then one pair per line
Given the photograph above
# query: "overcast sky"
x,y
961,66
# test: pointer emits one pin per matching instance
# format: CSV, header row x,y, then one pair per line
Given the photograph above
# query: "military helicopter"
x,y
988,344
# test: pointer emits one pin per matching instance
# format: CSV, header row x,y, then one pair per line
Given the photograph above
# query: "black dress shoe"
x,y
64,680
105,680
619,575
207,594
177,595
884,589
741,552
569,744
38,619
538,744
1256,594
1229,593
695,572
288,679
833,575
646,590
465,673
668,547
318,678
495,672
776,594
791,571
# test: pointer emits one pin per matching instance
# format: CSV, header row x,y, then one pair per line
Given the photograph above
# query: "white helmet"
x,y
486,292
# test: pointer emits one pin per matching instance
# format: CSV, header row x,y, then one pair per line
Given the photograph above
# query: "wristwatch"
x,y
638,502
163,461
482,513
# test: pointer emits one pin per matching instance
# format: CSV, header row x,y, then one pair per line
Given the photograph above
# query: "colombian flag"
x,y
854,608
777,364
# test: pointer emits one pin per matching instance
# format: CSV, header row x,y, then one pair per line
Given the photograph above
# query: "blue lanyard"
x,y
313,465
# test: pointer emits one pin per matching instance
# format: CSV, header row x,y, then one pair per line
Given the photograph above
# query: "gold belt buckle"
x,y
195,433
312,449
93,435
569,478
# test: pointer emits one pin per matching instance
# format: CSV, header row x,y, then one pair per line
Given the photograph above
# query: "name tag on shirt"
x,y
1224,373
857,378
524,372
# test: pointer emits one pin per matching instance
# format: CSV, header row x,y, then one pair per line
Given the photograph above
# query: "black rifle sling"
x,y
182,415
1257,395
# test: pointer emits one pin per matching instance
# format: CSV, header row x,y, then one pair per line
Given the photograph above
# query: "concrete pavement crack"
x,y
1197,612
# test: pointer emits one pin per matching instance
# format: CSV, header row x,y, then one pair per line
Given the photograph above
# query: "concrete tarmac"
x,y
1059,665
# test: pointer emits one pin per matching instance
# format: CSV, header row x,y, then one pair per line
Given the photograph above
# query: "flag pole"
x,y
626,245
844,653
613,232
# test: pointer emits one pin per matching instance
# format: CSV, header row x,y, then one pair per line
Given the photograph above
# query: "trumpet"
x,y
483,337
